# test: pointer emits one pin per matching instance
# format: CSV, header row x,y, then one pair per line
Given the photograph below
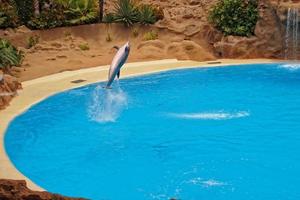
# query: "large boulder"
x,y
17,190
8,89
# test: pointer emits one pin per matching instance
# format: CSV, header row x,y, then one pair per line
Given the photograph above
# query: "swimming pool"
x,y
210,133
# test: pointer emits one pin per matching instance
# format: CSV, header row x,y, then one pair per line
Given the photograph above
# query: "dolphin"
x,y
117,63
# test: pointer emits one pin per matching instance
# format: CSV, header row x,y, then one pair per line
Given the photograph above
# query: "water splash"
x,y
211,116
107,104
291,66
291,35
206,183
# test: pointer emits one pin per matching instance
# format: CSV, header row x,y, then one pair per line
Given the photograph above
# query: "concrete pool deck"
x,y
36,90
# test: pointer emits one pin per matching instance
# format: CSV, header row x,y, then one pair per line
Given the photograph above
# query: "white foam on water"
x,y
206,183
210,115
107,104
292,66
212,183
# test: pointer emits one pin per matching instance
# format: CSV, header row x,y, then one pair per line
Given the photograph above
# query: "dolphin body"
x,y
117,63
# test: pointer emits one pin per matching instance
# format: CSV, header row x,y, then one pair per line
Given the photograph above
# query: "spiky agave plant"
x,y
146,15
9,55
126,12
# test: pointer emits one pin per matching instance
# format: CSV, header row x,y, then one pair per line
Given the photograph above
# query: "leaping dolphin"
x,y
117,63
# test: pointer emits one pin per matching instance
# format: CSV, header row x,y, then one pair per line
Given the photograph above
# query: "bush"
x,y
9,55
25,10
146,15
81,12
84,47
235,17
152,35
32,41
109,18
65,13
135,32
8,14
126,12
50,17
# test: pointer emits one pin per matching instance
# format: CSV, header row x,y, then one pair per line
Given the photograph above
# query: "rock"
x,y
155,43
17,190
8,89
23,29
61,56
56,45
266,43
189,50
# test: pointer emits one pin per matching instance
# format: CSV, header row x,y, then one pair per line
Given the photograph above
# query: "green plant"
x,y
81,11
9,55
235,17
146,14
135,32
67,34
84,47
8,14
25,10
126,12
32,41
109,18
151,35
50,17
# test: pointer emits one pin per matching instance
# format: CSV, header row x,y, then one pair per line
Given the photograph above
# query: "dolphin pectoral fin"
x,y
116,47
118,75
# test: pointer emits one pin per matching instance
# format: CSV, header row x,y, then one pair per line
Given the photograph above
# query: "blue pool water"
x,y
226,133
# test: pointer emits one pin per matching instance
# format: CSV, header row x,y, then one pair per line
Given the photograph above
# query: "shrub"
x,y
146,14
9,55
235,17
151,35
8,14
32,41
81,11
84,47
126,12
109,18
135,32
65,13
25,10
50,17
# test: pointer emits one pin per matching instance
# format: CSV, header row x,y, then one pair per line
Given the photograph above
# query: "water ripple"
x,y
210,115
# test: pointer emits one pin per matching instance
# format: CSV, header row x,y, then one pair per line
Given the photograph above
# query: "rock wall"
x,y
268,41
8,89
189,18
17,190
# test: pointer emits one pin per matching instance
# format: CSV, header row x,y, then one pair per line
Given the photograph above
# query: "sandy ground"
x,y
59,50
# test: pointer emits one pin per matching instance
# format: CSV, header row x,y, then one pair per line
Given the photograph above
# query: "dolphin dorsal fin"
x,y
118,74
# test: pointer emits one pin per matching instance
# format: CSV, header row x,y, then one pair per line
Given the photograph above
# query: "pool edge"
x,y
39,89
